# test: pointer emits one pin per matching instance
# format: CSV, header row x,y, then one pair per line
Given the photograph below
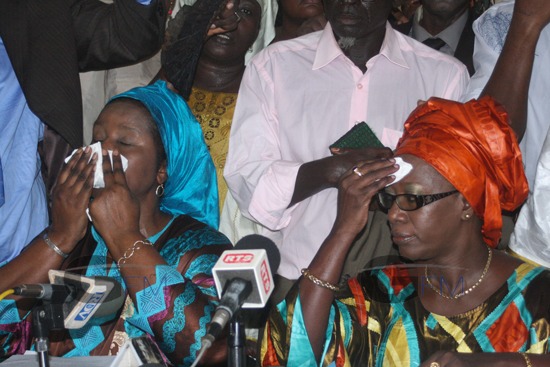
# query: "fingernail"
x,y
212,26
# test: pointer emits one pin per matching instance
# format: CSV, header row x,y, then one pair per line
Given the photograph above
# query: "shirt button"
x,y
359,86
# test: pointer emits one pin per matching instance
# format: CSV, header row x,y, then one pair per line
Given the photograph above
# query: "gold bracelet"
x,y
53,246
319,282
131,250
527,360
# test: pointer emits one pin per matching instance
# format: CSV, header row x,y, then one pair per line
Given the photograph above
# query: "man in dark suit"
x,y
43,46
445,26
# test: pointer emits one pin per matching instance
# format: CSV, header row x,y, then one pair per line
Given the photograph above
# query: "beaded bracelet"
x,y
319,282
53,246
527,360
131,250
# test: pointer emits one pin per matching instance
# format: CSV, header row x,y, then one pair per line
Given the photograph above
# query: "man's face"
x,y
445,8
357,18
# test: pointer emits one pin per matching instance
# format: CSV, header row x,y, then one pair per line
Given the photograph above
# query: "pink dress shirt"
x,y
296,98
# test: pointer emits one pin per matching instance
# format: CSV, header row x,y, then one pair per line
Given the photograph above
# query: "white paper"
x,y
404,169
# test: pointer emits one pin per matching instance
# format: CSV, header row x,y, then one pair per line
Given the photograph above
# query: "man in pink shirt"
x,y
299,96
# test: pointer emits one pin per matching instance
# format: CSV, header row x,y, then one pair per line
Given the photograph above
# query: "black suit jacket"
x,y
465,48
50,41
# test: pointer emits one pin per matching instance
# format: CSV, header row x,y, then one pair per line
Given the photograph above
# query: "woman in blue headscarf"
x,y
152,228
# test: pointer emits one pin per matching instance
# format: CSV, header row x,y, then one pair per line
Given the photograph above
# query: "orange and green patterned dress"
x,y
380,321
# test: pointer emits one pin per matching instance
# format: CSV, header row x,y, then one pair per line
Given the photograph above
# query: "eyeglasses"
x,y
409,202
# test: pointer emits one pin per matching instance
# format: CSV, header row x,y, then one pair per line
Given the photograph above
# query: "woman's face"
x,y
234,44
301,10
423,233
127,126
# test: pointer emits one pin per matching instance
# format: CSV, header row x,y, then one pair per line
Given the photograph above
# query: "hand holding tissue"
x,y
98,176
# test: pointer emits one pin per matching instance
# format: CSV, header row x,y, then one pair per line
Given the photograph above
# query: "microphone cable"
x,y
206,343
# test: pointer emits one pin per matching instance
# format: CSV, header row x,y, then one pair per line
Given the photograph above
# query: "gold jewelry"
x,y
527,360
456,296
357,172
53,246
131,250
319,282
434,364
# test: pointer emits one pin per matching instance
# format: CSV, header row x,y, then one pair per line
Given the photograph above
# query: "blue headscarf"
x,y
191,186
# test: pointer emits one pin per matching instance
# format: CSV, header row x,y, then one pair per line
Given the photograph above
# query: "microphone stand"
x,y
236,342
45,317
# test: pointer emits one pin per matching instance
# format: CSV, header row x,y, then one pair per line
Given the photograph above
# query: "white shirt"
x,y
299,96
491,30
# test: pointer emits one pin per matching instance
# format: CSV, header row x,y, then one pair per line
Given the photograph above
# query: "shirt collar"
x,y
451,34
328,48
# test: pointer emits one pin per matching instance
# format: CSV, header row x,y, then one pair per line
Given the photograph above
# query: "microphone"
x,y
49,292
243,278
81,297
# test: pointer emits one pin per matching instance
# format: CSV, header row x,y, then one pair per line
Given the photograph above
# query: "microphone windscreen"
x,y
114,300
258,242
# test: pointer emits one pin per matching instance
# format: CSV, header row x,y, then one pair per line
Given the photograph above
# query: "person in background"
x,y
299,96
43,46
99,86
152,230
293,14
457,301
212,97
512,48
445,26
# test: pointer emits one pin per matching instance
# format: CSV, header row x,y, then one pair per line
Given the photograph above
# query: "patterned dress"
x,y
214,111
380,321
173,309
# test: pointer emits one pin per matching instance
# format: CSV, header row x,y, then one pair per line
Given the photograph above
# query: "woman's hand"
x,y
344,159
71,197
115,211
356,190
227,20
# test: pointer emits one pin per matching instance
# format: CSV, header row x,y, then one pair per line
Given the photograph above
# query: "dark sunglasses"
x,y
409,202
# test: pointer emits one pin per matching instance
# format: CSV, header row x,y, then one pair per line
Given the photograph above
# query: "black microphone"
x,y
55,293
82,297
243,278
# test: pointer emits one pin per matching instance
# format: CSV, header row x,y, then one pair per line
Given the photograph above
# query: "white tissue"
x,y
404,169
98,177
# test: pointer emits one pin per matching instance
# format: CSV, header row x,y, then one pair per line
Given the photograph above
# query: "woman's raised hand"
x,y
115,211
71,197
356,189
226,20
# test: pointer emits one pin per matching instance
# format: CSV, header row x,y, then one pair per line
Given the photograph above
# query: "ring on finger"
x,y
434,364
238,16
358,173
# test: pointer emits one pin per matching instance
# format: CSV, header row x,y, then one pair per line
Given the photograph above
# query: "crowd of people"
x,y
426,246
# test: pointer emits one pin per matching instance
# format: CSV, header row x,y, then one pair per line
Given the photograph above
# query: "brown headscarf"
x,y
471,145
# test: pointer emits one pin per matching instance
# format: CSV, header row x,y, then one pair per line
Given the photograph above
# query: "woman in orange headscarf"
x,y
457,301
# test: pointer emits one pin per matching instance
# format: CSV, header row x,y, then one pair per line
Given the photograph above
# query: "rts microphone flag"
x,y
254,259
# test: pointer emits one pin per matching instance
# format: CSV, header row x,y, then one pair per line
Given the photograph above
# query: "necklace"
x,y
463,293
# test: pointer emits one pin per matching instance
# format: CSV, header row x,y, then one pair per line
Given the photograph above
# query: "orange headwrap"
x,y
474,148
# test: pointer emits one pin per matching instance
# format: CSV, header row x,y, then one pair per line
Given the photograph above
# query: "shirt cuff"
x,y
272,196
